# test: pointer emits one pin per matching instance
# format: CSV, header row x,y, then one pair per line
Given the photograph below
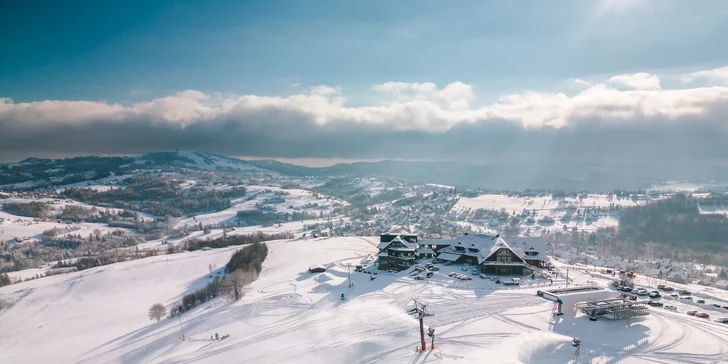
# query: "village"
x,y
368,206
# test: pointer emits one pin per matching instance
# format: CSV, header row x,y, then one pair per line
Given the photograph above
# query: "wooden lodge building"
x,y
492,254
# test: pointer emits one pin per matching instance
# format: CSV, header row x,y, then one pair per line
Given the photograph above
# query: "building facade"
x,y
492,254
497,255
397,251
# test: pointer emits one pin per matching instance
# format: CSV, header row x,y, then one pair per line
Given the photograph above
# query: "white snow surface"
x,y
14,226
546,206
510,203
682,186
296,200
291,316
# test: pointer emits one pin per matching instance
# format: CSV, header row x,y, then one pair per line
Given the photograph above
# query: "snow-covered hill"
x,y
198,160
292,316
269,199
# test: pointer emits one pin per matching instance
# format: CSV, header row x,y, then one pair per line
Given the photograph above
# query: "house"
x,y
678,277
397,250
496,254
723,284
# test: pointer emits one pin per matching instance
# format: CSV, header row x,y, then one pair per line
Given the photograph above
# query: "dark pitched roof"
x,y
522,244
486,245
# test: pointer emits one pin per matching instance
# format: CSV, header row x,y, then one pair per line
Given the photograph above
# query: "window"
x,y
504,255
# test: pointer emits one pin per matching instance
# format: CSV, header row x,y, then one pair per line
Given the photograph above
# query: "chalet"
x,y
397,251
492,254
497,255
401,250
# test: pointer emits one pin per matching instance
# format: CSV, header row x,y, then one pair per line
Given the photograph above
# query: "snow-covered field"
x,y
713,209
295,200
545,206
297,228
292,316
97,185
57,205
496,202
677,186
14,226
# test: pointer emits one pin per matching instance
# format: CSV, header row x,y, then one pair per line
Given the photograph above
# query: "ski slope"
x,y
292,316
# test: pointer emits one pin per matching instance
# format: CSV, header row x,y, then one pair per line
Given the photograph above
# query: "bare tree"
x,y
211,267
233,283
157,311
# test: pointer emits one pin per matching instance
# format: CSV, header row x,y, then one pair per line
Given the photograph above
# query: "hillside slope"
x,y
58,319
292,316
198,160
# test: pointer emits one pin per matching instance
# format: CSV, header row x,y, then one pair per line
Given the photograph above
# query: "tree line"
x,y
73,169
230,240
255,217
157,195
242,269
29,209
676,221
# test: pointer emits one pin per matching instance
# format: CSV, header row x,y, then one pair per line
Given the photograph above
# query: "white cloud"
x,y
637,81
579,82
715,76
324,90
407,106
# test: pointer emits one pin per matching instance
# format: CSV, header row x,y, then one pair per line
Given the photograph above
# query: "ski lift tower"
x,y
348,270
421,310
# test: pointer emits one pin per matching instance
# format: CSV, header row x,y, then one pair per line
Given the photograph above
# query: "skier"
x,y
577,344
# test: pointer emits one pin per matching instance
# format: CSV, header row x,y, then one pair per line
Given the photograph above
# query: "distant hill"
x,y
503,176
604,177
197,160
34,173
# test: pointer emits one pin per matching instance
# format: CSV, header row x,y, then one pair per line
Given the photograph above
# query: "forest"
x,y
256,217
159,196
73,170
230,240
247,261
675,221
29,209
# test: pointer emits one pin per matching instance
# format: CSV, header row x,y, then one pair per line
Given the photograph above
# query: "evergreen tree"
x,y
4,280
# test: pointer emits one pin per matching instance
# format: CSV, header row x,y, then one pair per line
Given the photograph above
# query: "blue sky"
x,y
462,80
130,50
